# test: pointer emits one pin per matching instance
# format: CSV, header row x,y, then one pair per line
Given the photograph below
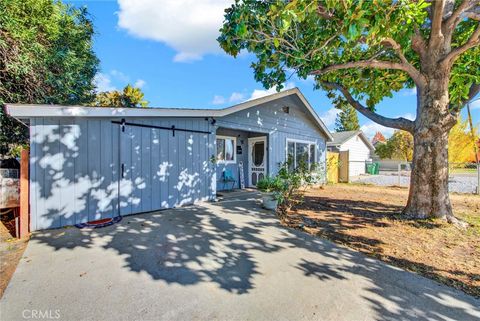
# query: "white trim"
x,y
234,161
357,133
29,110
251,142
308,142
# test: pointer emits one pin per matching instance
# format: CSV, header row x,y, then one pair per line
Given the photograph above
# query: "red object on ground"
x,y
101,221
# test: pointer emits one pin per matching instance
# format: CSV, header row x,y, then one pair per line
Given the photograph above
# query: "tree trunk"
x,y
428,195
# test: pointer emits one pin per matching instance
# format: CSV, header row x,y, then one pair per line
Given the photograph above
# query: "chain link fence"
x,y
463,177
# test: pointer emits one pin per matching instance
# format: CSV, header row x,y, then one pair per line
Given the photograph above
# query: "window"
x,y
299,152
226,149
258,153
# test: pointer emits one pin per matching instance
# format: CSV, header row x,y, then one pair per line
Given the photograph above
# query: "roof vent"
x,y
286,109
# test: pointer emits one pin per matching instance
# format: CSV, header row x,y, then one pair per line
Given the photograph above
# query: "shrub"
x,y
294,181
269,184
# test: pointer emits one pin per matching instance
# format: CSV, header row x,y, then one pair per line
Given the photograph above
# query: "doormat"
x,y
100,223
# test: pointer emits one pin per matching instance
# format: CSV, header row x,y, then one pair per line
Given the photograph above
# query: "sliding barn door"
x,y
160,168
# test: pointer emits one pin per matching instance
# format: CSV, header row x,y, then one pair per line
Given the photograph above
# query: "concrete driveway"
x,y
221,261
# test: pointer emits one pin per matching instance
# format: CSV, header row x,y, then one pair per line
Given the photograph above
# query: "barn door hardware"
x,y
123,170
124,123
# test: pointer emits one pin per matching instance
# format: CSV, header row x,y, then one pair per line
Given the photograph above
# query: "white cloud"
x,y
236,97
119,75
371,128
329,117
409,91
258,93
475,104
190,27
408,116
218,100
103,82
108,81
140,83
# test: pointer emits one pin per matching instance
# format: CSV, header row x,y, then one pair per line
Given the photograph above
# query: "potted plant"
x,y
270,187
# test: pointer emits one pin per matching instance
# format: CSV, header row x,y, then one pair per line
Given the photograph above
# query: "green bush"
x,y
270,184
294,182
290,183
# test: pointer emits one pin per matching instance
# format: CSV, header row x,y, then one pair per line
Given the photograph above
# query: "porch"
x,y
241,158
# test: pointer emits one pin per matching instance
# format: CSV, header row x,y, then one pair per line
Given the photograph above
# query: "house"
x,y
358,146
91,163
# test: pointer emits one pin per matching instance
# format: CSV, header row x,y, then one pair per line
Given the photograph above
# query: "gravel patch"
x,y
457,183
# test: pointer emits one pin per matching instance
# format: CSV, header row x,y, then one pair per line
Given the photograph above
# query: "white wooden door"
x,y
257,159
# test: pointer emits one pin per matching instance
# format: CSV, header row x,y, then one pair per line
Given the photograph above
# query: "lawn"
x,y
367,218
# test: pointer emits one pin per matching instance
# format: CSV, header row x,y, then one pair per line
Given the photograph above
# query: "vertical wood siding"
x,y
75,168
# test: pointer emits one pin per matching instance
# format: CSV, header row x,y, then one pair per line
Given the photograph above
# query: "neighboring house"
x,y
90,163
358,146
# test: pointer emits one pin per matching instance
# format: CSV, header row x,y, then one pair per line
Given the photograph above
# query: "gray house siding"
x,y
75,168
76,172
270,119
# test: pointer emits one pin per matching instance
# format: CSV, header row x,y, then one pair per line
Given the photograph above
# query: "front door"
x,y
257,159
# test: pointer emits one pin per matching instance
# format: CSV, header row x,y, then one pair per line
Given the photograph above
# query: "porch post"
x,y
24,195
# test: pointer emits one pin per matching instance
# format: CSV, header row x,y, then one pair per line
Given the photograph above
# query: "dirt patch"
x,y
11,250
367,218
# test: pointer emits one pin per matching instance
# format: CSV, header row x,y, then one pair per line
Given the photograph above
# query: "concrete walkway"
x,y
221,261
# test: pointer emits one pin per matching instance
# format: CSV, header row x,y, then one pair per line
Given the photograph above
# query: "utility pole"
x,y
475,139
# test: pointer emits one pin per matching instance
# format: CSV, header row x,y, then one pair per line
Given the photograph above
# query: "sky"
x,y
168,49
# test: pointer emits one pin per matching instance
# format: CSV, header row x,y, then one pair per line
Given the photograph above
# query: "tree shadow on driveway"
x,y
227,244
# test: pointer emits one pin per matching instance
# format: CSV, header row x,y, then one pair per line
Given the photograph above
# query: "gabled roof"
x,y
35,110
340,138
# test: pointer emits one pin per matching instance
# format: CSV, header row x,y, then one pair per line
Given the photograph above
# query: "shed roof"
x,y
37,110
340,138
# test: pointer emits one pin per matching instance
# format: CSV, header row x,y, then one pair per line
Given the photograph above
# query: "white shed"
x,y
359,148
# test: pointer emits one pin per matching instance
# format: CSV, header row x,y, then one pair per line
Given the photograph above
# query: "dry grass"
x,y
367,218
11,251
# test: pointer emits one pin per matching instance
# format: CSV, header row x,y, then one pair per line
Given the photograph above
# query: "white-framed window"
x,y
226,149
300,151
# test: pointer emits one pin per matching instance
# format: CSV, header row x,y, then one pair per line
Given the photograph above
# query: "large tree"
x,y
46,56
365,51
129,97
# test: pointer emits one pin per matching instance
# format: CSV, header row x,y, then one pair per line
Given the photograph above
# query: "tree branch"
x,y
473,15
455,18
472,92
399,123
437,17
418,43
412,71
378,64
395,46
323,12
472,42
